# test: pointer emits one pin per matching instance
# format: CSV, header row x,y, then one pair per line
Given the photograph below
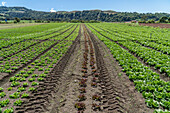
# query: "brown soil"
x,y
156,25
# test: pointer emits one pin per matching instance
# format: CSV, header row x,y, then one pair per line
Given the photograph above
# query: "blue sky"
x,y
116,5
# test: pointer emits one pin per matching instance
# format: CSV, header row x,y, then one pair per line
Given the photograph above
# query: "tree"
x,y
169,19
150,21
163,19
38,21
17,19
144,18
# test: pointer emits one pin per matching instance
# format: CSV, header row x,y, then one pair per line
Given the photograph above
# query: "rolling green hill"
x,y
85,15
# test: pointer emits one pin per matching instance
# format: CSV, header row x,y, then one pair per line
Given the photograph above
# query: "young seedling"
x,y
96,74
82,90
82,97
82,84
85,75
94,84
94,70
84,71
80,106
96,97
96,107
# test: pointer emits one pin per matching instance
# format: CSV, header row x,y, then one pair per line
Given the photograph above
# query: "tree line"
x,y
10,13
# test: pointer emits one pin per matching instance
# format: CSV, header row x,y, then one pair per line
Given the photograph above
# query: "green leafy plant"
x,y
11,110
15,95
40,69
20,89
31,89
40,79
2,94
14,84
31,79
25,75
25,95
152,104
4,103
25,84
22,72
1,89
43,75
29,72
13,79
18,103
34,75
22,79
10,89
34,84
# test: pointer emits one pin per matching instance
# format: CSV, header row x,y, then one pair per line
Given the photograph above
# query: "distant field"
x,y
14,30
8,26
156,25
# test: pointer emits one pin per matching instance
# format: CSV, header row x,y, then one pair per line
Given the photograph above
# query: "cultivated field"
x,y
9,26
156,25
85,68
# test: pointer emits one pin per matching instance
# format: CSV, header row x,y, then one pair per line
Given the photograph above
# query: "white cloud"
x,y
52,10
3,3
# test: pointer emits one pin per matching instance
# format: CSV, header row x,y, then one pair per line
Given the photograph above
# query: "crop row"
x,y
25,44
159,47
21,31
16,61
147,82
151,57
138,33
25,81
12,40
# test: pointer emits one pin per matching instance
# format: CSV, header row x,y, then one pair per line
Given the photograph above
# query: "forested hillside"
x,y
85,15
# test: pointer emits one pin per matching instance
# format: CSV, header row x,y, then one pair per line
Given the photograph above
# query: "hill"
x,y
86,15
